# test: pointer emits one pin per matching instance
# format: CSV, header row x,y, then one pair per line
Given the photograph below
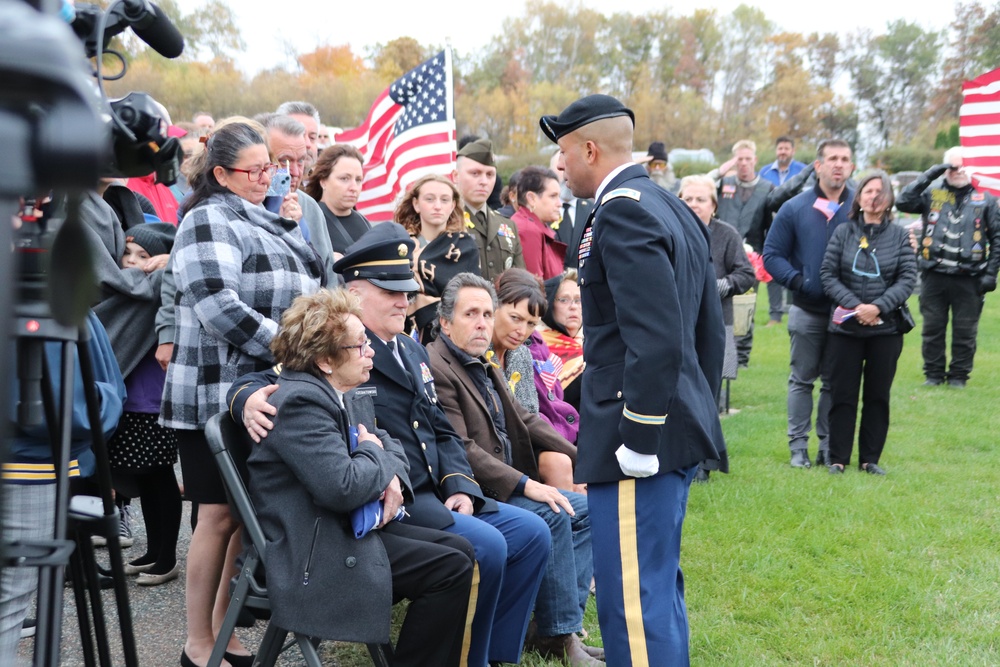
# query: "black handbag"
x,y
906,322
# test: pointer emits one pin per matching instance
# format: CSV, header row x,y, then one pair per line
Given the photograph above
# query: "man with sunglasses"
x,y
959,231
793,254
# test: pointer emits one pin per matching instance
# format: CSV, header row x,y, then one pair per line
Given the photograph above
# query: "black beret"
x,y
383,256
480,150
583,112
156,238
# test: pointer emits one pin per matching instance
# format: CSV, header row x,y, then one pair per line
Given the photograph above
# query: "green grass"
x,y
795,567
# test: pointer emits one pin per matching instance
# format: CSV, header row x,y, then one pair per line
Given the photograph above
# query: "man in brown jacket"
x,y
504,442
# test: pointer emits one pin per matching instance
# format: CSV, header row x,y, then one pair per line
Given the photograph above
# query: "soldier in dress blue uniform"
x,y
511,544
654,347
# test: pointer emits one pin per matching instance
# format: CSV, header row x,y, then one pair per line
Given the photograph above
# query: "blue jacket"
x,y
796,244
30,460
771,173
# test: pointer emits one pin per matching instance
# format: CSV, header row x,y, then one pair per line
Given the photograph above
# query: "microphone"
x,y
152,26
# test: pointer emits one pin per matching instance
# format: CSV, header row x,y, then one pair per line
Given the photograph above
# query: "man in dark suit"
x,y
511,544
654,349
505,443
574,216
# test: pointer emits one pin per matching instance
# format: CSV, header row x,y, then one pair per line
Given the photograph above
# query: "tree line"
x,y
697,80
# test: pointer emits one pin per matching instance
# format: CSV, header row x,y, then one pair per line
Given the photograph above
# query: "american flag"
x,y
409,132
826,207
979,129
549,370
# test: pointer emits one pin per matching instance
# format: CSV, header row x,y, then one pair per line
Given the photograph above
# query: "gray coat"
x,y
304,483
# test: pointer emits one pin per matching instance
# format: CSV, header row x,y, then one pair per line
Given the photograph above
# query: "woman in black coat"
x,y
869,271
305,482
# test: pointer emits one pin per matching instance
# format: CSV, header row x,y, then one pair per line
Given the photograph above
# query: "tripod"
x,y
34,327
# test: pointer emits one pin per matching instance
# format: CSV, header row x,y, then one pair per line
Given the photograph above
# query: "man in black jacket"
x,y
958,254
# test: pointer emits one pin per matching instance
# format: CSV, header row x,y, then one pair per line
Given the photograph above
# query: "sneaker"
x,y
28,628
125,526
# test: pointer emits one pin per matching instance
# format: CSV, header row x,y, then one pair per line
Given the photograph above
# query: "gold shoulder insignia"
x,y
621,192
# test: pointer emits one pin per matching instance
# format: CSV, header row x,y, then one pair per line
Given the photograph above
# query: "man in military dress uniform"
x,y
654,347
958,255
496,236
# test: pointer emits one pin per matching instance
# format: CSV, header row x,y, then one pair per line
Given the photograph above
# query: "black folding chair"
x,y
231,448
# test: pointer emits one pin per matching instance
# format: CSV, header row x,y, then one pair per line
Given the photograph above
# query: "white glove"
x,y
635,464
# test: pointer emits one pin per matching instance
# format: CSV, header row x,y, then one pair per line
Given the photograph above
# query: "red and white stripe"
x,y
393,162
979,130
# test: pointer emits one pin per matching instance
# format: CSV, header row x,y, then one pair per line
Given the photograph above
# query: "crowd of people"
x,y
538,380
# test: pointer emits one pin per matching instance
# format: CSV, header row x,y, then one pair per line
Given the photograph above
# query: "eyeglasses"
x,y
360,348
255,174
565,300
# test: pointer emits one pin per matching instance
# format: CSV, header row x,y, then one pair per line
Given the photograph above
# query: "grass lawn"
x,y
787,566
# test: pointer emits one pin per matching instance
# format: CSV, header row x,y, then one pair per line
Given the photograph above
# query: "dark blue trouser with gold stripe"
x,y
636,528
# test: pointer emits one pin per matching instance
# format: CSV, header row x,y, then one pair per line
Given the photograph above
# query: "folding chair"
x,y
231,448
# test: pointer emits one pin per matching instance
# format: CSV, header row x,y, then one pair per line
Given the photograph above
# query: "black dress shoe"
x,y
932,382
700,476
872,469
239,660
836,469
800,458
956,382
822,458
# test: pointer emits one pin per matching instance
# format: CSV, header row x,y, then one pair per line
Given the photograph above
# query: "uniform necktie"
x,y
481,217
566,216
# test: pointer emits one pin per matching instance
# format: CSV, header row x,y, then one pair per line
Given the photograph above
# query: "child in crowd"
x,y
142,453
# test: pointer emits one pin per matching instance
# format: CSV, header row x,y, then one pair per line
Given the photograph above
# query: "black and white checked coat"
x,y
237,268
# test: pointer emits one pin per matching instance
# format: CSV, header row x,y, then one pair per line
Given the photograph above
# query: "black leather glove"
x,y
937,170
987,283
796,283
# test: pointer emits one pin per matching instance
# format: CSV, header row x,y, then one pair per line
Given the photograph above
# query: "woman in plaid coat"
x,y
237,267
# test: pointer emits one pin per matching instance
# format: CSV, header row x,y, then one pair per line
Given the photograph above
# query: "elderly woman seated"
x,y
305,481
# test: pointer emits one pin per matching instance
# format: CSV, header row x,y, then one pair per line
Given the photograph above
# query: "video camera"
x,y
59,132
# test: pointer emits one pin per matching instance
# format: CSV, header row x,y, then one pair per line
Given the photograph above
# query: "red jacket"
x,y
162,198
544,254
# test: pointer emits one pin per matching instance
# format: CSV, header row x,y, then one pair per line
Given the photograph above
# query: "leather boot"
x,y
567,648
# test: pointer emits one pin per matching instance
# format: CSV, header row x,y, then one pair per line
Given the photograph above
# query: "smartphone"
x,y
281,184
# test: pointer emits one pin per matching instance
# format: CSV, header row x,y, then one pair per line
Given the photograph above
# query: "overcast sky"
x,y
366,23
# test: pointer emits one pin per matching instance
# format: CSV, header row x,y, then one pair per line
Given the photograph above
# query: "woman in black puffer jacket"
x,y
869,271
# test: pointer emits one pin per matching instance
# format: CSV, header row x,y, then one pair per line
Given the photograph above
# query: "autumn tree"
x,y
891,75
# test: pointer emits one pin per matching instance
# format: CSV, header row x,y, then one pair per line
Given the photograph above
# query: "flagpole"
x,y
449,78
